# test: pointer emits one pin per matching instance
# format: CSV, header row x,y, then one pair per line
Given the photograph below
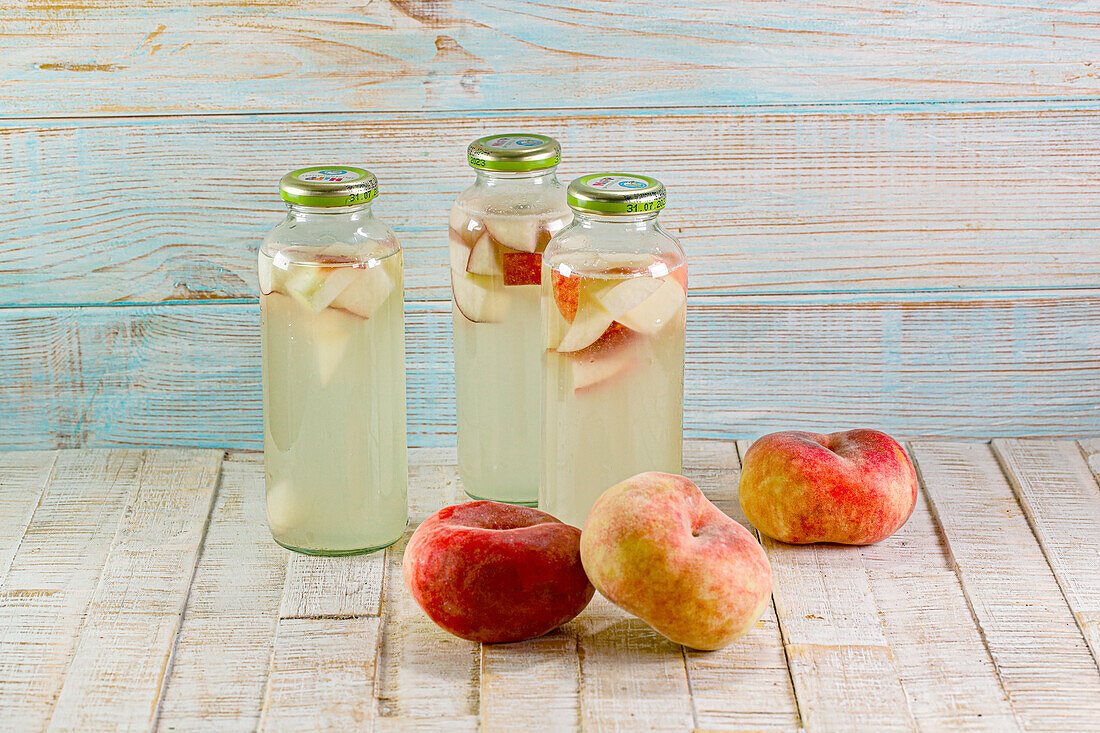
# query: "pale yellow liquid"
x,y
498,402
334,421
599,435
497,378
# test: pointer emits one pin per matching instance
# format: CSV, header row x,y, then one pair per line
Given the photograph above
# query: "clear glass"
x,y
499,228
614,314
333,344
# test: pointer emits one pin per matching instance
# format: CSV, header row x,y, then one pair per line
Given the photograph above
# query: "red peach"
x,y
492,572
853,488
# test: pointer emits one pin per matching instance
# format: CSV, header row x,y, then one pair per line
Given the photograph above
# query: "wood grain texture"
x,y
915,365
426,678
947,673
120,663
1042,659
219,669
23,478
54,576
65,604
103,57
110,376
333,587
1060,497
531,685
933,365
425,675
632,678
322,675
747,685
882,198
1090,448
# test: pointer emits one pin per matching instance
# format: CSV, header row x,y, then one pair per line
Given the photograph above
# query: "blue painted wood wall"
x,y
892,209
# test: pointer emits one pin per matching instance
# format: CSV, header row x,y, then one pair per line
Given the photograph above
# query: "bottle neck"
x,y
354,212
644,222
542,177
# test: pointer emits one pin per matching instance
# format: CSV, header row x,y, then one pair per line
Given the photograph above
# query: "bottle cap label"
x,y
329,175
621,183
513,142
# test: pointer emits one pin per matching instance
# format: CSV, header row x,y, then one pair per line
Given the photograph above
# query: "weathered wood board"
x,y
786,200
54,575
219,669
1042,659
1062,502
120,664
924,631
23,478
934,365
948,675
107,58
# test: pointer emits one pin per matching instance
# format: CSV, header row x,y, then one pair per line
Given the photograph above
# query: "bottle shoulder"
x,y
514,197
310,238
582,242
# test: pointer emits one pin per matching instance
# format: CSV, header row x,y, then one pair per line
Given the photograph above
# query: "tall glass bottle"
x,y
614,310
332,337
499,227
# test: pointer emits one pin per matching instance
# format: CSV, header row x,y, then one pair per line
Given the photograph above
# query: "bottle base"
x,y
475,497
338,553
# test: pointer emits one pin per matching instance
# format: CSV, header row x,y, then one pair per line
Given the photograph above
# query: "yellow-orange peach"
x,y
656,547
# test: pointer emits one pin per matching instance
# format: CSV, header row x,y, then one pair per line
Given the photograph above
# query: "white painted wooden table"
x,y
141,590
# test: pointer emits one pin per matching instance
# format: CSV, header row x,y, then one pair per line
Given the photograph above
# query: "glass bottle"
x,y
499,227
332,338
614,314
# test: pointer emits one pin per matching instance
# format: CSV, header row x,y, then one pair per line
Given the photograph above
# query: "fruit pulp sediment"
x,y
613,375
496,269
332,337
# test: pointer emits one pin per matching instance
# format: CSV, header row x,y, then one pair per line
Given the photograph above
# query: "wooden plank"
x,y
1060,497
747,685
187,377
432,486
333,587
425,676
322,675
781,200
109,58
1042,659
224,645
452,724
926,364
182,377
922,364
948,674
531,685
1090,448
424,673
119,666
40,392
632,678
23,478
54,576
844,673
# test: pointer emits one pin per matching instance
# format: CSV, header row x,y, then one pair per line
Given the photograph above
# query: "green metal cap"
x,y
514,151
328,185
616,193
